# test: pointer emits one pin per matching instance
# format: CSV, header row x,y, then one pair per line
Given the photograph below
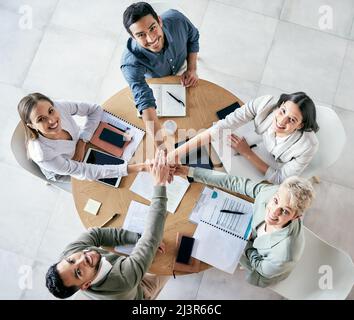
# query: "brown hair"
x,y
25,107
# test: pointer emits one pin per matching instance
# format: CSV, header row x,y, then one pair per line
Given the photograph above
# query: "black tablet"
x,y
95,156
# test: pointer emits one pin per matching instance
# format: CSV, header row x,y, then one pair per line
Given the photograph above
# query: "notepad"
x,y
143,185
134,221
167,106
92,206
221,238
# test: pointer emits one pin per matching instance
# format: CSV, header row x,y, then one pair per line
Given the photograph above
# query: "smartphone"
x,y
112,137
185,250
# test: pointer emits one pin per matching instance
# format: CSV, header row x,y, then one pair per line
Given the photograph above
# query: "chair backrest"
x,y
19,151
323,272
332,139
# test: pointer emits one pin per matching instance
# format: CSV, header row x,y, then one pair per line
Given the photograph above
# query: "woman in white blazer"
x,y
57,144
287,128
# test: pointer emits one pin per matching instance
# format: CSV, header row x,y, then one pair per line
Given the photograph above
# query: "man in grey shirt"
x,y
104,275
158,47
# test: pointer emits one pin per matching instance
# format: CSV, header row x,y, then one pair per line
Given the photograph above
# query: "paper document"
x,y
220,238
170,100
134,221
199,206
143,185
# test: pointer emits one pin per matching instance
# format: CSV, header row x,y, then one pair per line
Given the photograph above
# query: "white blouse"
x,y
291,154
54,156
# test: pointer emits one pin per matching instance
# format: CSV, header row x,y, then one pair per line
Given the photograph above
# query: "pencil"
x,y
110,219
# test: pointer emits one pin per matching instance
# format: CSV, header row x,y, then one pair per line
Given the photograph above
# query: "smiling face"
x,y
79,269
148,33
279,211
287,119
46,119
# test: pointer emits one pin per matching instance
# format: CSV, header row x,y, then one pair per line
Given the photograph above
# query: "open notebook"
x,y
170,100
221,238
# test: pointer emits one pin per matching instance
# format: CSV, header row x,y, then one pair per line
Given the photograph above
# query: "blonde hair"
x,y
300,191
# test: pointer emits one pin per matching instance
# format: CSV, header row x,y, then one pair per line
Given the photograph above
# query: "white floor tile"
x,y
40,11
182,288
345,93
64,227
39,290
243,89
98,18
27,205
331,16
8,110
69,65
236,41
299,61
270,8
15,275
18,48
342,171
218,285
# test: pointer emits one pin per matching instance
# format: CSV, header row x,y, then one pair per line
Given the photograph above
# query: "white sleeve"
x,y
241,115
83,171
92,111
292,168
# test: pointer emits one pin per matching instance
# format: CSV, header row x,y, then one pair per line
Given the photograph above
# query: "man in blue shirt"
x,y
158,47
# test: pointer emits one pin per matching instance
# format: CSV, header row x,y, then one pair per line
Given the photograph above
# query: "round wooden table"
x,y
202,103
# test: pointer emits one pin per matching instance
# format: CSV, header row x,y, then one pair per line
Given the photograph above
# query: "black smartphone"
x,y
226,111
112,137
185,250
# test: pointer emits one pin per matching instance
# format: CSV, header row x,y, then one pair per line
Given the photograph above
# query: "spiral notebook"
x,y
136,134
221,238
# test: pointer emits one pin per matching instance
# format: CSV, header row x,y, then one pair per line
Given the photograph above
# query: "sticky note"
x,y
92,206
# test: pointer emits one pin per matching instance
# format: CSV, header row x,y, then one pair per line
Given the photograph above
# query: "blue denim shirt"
x,y
181,38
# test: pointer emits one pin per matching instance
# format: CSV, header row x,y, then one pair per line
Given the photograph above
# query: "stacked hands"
x,y
163,169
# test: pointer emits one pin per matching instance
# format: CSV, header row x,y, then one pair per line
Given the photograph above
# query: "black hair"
x,y
135,12
56,285
306,106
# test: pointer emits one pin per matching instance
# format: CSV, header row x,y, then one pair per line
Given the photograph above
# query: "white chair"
x,y
332,139
305,281
19,151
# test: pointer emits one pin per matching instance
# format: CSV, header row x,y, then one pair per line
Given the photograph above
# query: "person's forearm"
x,y
136,167
192,61
153,126
256,161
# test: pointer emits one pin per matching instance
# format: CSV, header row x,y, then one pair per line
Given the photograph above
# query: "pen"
x,y
110,219
179,101
251,146
230,211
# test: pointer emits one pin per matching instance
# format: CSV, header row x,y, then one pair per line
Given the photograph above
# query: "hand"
x,y
189,78
239,144
160,170
181,170
79,151
162,247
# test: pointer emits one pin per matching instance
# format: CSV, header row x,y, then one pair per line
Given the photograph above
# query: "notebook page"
x,y
134,221
170,107
156,90
143,185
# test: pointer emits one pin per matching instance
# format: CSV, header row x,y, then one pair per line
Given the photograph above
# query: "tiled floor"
x,y
251,48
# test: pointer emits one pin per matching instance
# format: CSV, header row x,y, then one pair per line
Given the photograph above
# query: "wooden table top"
x,y
202,103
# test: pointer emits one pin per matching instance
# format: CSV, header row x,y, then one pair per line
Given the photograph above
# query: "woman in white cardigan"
x,y
57,144
287,128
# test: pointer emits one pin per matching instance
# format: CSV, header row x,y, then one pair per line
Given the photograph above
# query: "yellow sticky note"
x,y
92,206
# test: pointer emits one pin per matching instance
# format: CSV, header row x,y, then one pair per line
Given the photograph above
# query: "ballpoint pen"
x,y
179,101
110,219
231,211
